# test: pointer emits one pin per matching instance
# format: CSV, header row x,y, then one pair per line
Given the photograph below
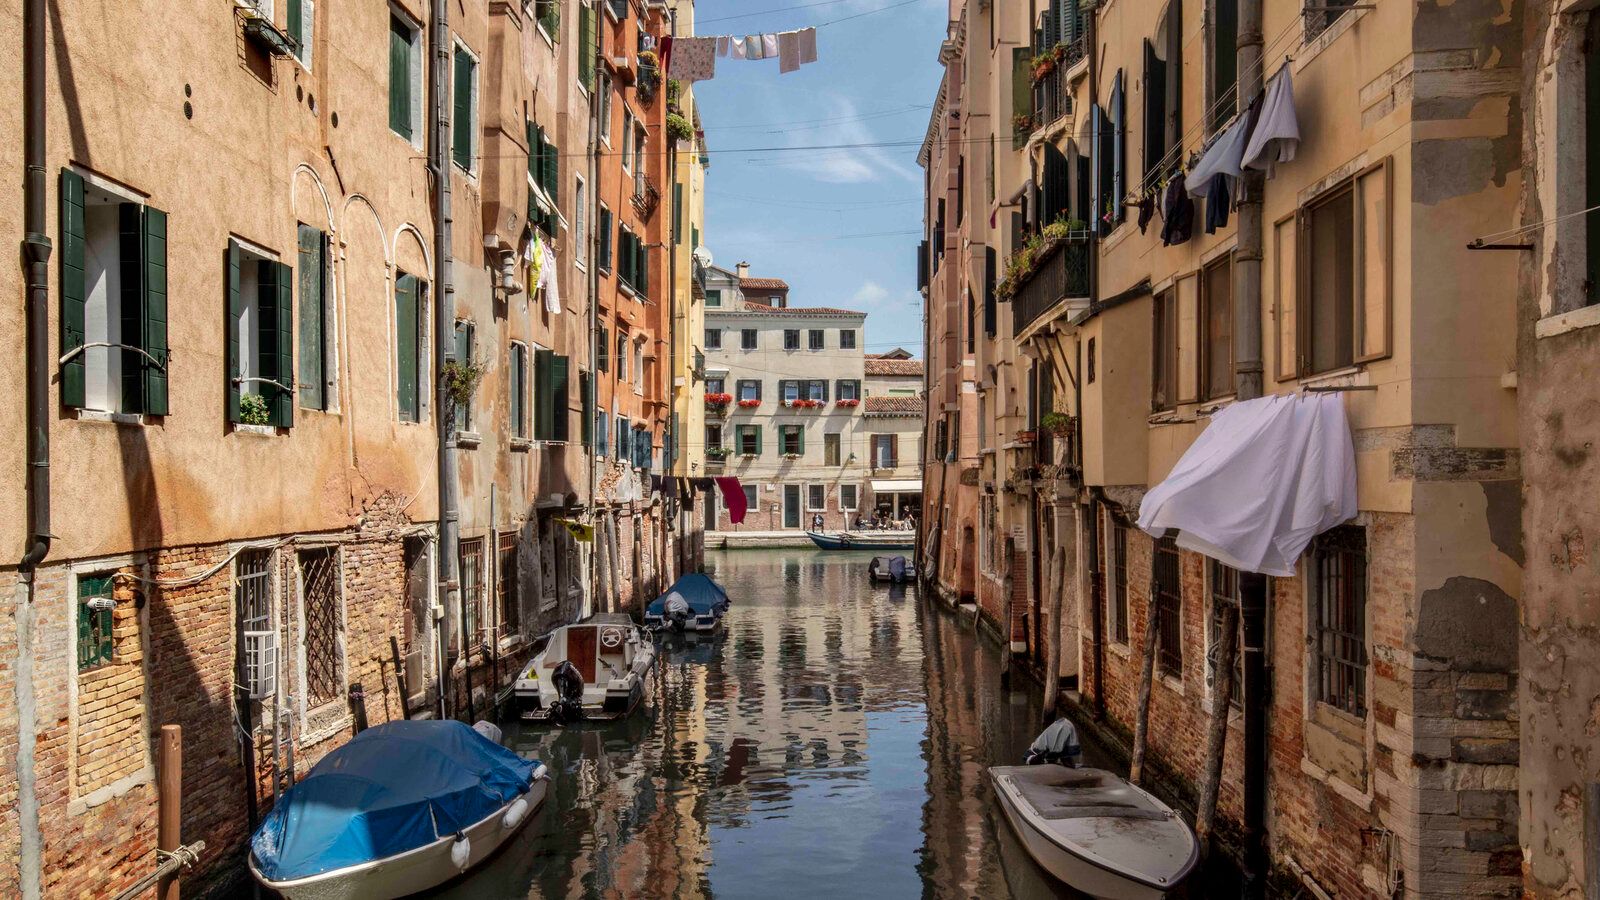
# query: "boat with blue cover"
x,y
693,603
402,807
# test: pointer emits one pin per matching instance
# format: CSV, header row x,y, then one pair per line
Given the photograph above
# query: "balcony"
x,y
1052,98
1061,273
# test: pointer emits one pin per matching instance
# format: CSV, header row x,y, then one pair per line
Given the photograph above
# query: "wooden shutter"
x,y
1286,343
586,400
1174,72
800,439
74,292
399,77
312,377
1119,144
894,451
130,251
552,171
677,212
153,329
559,368
586,59
535,139
758,438
235,311
283,346
406,293
642,267
461,124
544,395
1185,336
605,238
1373,310
1021,95
1155,109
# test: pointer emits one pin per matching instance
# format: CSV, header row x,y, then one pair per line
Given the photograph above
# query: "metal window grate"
x,y
1339,567
507,593
95,647
1224,593
1119,582
472,590
1167,607
258,633
319,598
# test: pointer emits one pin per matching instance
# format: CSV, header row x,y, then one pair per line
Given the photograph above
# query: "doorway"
x,y
791,506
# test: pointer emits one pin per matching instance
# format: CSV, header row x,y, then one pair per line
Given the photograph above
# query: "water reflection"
x,y
832,742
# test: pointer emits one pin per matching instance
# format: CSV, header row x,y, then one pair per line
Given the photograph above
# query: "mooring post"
x,y
169,800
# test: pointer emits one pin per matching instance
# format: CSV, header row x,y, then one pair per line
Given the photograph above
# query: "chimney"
x,y
743,270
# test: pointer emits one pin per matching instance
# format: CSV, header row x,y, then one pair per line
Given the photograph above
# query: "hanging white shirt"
x,y
548,282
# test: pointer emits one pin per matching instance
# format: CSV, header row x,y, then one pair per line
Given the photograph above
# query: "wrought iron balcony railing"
x,y
1061,274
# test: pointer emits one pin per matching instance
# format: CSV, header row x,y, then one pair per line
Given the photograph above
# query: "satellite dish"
x,y
702,255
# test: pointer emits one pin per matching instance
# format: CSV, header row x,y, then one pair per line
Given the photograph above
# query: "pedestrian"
x,y
816,522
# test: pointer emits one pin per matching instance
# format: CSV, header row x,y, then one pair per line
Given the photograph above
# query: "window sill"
x,y
1166,417
257,430
545,34
511,644
1360,799
1120,649
1314,47
1173,684
1333,377
521,445
471,174
468,439
1562,323
111,418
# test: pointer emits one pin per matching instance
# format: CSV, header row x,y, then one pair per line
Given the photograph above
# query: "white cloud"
x,y
870,294
851,164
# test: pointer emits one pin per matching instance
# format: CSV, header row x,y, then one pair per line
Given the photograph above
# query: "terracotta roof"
x,y
894,406
896,353
879,366
764,284
753,307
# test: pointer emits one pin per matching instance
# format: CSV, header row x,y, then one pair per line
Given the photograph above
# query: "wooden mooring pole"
x,y
169,800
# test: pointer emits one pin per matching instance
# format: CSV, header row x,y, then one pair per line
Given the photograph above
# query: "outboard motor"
x,y
1056,745
568,683
897,568
676,611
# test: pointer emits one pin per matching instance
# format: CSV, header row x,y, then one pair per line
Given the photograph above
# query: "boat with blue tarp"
x,y
693,603
404,806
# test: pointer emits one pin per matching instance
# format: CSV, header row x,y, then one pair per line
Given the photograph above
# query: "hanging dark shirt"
x,y
1218,197
1177,213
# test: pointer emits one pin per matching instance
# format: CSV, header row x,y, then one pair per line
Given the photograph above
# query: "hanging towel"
x,y
808,45
693,59
1224,157
736,47
753,47
666,53
788,52
548,281
724,44
1277,131
534,254
732,498
769,46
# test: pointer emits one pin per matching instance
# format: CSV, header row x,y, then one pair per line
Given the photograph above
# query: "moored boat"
x,y
693,603
595,670
896,569
864,540
402,807
1095,831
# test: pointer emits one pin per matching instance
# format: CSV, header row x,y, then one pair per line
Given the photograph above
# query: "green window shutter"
x,y
406,350
235,312
294,23
586,398
1021,94
312,378
586,15
758,439
399,77
535,150
461,123
605,238
800,438
559,368
130,253
74,292
283,369
552,173
543,392
463,357
624,256
694,236
641,267
677,212
153,329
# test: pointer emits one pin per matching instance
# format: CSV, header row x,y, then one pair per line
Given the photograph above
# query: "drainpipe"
x,y
36,251
593,217
1248,386
444,316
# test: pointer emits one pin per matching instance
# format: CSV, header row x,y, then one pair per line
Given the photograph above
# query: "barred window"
x,y
1117,579
1225,593
471,574
1167,606
95,606
323,611
507,591
1339,605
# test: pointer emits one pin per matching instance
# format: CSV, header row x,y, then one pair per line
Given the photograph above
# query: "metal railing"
x,y
1062,273
1052,98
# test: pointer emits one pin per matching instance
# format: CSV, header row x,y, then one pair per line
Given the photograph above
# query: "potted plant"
x,y
1022,122
1058,423
749,404
678,127
1027,436
718,453
461,381
718,401
1043,65
649,75
253,410
847,402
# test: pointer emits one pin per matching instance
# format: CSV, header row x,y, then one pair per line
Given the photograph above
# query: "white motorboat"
x,y
895,569
1095,831
400,808
595,670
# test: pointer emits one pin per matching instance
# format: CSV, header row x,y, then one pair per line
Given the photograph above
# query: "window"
x,y
475,624
792,440
752,502
260,339
791,391
624,446
885,451
638,366
258,630
747,339
586,46
849,389
1164,352
622,356
322,623
464,112
580,213
640,137
96,607
1318,20
602,441
714,298
603,226
465,338
1216,316
627,134
749,389
830,448
409,343
517,381
1167,607
814,339
1338,575
1591,181
1117,578
816,497
314,381
713,338
1221,62
1225,593
750,440
603,348
817,390
405,77
714,436
605,105
791,339
847,497
113,295
1328,341
847,339
508,595
715,384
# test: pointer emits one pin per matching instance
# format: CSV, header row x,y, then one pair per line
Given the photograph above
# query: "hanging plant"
x,y
253,410
1022,122
674,94
461,381
1058,423
678,127
649,75
718,453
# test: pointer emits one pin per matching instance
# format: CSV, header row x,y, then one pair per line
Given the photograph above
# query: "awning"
x,y
900,486
1263,479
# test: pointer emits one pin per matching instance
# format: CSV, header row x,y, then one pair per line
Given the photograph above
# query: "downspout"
x,y
593,217
36,251
1248,386
444,315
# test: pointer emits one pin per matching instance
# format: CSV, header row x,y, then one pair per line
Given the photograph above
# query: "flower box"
x,y
847,403
718,401
803,404
1027,437
749,404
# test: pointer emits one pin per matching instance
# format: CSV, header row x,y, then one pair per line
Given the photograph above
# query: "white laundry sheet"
x,y
1263,479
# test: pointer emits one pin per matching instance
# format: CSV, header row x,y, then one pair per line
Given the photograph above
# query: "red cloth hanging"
x,y
666,54
733,498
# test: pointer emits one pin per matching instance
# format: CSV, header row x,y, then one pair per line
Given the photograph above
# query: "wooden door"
x,y
581,649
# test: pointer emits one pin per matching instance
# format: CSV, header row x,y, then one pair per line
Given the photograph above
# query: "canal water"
x,y
832,743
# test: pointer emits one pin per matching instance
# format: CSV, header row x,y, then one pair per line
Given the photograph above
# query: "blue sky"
x,y
841,226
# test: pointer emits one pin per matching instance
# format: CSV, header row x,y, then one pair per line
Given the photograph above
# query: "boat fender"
x,y
515,814
461,851
541,773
